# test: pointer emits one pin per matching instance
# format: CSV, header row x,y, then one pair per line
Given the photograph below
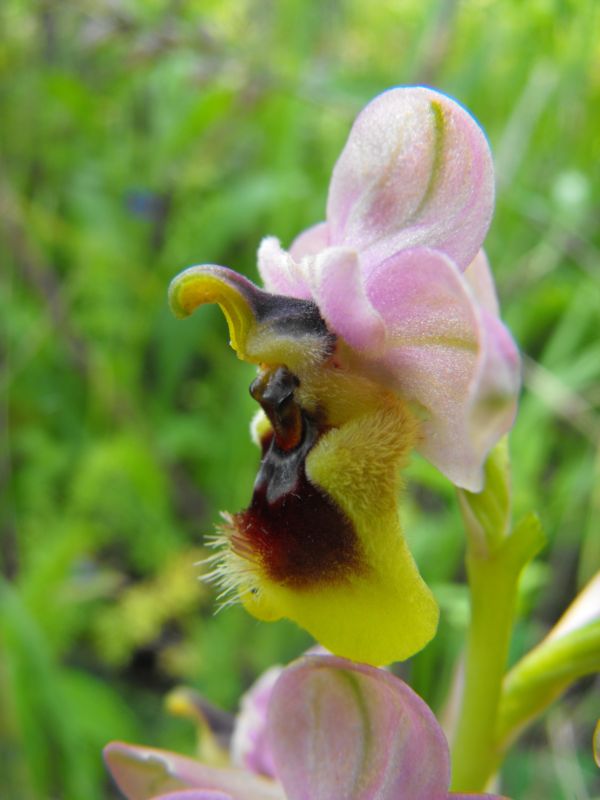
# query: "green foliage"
x,y
141,137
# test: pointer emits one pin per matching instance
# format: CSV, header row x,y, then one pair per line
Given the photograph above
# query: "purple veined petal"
x,y
145,772
311,241
249,746
416,171
449,357
193,794
279,272
358,733
479,277
337,285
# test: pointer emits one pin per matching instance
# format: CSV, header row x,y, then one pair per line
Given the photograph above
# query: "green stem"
x,y
494,565
493,585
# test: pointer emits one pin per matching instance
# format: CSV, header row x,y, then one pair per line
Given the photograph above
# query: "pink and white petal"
x,y
310,242
337,286
448,357
479,277
143,772
249,745
416,171
492,405
279,272
358,733
193,794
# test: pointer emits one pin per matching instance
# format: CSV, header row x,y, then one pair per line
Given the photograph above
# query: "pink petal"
x,y
279,272
479,277
356,733
416,170
249,746
493,397
143,772
449,357
338,289
311,241
193,794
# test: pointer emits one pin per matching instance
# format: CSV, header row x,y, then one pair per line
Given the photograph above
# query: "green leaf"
x,y
46,724
570,651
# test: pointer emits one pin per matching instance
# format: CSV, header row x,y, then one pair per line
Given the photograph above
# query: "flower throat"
x,y
297,532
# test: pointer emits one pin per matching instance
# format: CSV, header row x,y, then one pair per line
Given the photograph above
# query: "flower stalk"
x,y
494,563
492,585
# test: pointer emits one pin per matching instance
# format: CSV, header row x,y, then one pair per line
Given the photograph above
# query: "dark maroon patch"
x,y
297,533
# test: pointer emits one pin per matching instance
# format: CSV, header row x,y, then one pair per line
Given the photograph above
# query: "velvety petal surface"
x,y
359,733
279,271
479,277
416,170
249,746
145,772
453,359
338,289
492,401
311,241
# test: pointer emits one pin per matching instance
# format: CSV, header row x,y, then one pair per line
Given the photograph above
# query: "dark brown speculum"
x,y
296,532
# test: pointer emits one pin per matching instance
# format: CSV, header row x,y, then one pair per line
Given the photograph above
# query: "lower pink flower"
x,y
331,729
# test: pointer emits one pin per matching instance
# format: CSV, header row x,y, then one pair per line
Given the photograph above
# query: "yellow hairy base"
x,y
382,611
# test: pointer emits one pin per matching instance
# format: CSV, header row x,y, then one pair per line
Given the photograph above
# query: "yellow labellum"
x,y
383,612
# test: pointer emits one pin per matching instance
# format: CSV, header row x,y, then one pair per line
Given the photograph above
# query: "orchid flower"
x,y
331,729
376,334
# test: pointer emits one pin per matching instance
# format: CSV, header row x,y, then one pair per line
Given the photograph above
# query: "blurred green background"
x,y
139,137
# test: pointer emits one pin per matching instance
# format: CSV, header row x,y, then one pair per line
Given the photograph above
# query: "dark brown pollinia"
x,y
297,533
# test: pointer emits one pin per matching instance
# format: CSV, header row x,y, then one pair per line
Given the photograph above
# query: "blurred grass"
x,y
140,137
